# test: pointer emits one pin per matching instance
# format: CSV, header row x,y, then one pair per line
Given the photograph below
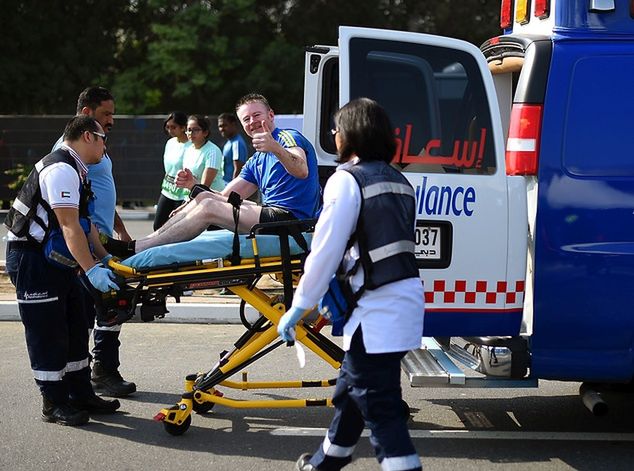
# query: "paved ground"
x,y
543,429
519,429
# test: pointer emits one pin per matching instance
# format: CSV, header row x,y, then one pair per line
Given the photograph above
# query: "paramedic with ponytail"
x,y
49,238
379,267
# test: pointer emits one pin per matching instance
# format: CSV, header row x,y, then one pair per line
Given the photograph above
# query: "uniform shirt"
x,y
278,187
59,186
235,149
173,162
105,193
391,316
208,156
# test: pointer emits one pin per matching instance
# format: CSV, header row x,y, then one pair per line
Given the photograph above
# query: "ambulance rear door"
x,y
471,226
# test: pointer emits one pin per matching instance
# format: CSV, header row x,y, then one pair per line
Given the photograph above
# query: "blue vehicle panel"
x,y
584,248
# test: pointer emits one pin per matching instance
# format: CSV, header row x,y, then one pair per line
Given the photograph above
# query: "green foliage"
x,y
199,56
20,173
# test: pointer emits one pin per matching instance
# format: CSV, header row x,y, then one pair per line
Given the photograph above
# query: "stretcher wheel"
x,y
177,430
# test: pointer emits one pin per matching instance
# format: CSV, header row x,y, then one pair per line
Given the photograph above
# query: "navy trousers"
x,y
368,392
106,339
52,311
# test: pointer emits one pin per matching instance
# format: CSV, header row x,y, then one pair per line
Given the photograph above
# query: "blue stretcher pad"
x,y
208,246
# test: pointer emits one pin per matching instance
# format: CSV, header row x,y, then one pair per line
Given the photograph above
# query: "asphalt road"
x,y
537,429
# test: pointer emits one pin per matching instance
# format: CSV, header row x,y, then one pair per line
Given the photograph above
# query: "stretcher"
x,y
271,249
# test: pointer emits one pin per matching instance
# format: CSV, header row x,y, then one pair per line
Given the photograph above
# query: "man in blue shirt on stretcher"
x,y
283,168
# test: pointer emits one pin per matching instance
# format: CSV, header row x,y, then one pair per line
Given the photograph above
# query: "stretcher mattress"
x,y
208,246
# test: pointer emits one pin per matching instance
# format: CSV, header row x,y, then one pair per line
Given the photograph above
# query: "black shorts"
x,y
274,214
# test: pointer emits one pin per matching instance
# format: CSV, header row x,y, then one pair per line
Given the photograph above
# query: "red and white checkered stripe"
x,y
478,292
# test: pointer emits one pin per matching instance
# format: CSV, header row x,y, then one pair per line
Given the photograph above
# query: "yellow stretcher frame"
x,y
201,393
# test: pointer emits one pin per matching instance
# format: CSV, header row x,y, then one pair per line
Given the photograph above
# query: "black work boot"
x,y
63,414
110,382
95,405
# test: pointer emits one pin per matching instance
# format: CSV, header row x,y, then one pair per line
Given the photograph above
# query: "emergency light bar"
x,y
541,10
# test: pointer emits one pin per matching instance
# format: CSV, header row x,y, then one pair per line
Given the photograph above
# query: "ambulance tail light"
x,y
506,14
522,146
542,9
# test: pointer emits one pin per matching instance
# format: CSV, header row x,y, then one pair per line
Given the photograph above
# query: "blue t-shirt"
x,y
234,149
102,185
278,187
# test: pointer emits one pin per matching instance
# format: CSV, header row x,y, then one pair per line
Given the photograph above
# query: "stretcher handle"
x,y
308,225
118,267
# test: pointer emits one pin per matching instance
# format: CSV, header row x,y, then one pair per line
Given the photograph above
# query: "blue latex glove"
x,y
102,279
104,261
286,327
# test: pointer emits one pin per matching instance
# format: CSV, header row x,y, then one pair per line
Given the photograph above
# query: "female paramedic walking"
x,y
366,193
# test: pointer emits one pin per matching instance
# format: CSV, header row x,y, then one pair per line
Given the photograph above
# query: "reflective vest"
x,y
24,208
385,228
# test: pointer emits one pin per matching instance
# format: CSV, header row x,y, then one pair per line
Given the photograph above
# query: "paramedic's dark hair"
x,y
78,125
365,130
92,97
202,121
178,117
251,98
229,117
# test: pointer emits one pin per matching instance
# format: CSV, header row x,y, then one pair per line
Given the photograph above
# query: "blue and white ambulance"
x,y
522,157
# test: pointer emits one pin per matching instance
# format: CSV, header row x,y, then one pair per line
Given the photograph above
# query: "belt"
x,y
24,245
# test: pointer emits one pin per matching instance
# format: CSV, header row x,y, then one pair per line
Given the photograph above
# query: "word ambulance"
x,y
520,154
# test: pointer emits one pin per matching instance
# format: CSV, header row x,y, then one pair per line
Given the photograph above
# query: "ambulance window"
x,y
436,100
329,104
598,138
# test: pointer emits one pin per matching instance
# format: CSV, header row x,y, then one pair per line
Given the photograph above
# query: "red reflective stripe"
x,y
522,147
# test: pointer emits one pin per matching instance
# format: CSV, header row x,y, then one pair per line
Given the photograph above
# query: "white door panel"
x,y
441,99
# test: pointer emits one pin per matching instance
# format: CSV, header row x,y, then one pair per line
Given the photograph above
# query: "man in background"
x,y
98,103
234,152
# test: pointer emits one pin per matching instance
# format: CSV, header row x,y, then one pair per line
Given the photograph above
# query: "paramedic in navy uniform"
x,y
49,294
363,194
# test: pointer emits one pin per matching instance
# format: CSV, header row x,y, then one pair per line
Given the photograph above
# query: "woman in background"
x,y
202,159
172,196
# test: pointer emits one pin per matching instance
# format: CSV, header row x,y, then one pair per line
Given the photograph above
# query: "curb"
x,y
179,313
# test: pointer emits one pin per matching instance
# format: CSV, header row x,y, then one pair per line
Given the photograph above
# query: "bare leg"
x,y
209,210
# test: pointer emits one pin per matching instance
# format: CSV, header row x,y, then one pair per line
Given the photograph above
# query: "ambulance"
x,y
521,153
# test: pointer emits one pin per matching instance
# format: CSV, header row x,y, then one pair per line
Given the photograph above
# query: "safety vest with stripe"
x,y
24,208
385,228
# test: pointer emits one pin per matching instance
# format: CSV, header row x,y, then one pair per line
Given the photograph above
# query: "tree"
x,y
195,55
52,50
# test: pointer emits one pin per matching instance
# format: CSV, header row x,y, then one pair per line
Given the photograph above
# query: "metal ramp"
x,y
433,367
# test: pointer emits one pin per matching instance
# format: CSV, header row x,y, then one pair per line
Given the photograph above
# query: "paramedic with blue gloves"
x,y
98,102
283,168
385,291
49,236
